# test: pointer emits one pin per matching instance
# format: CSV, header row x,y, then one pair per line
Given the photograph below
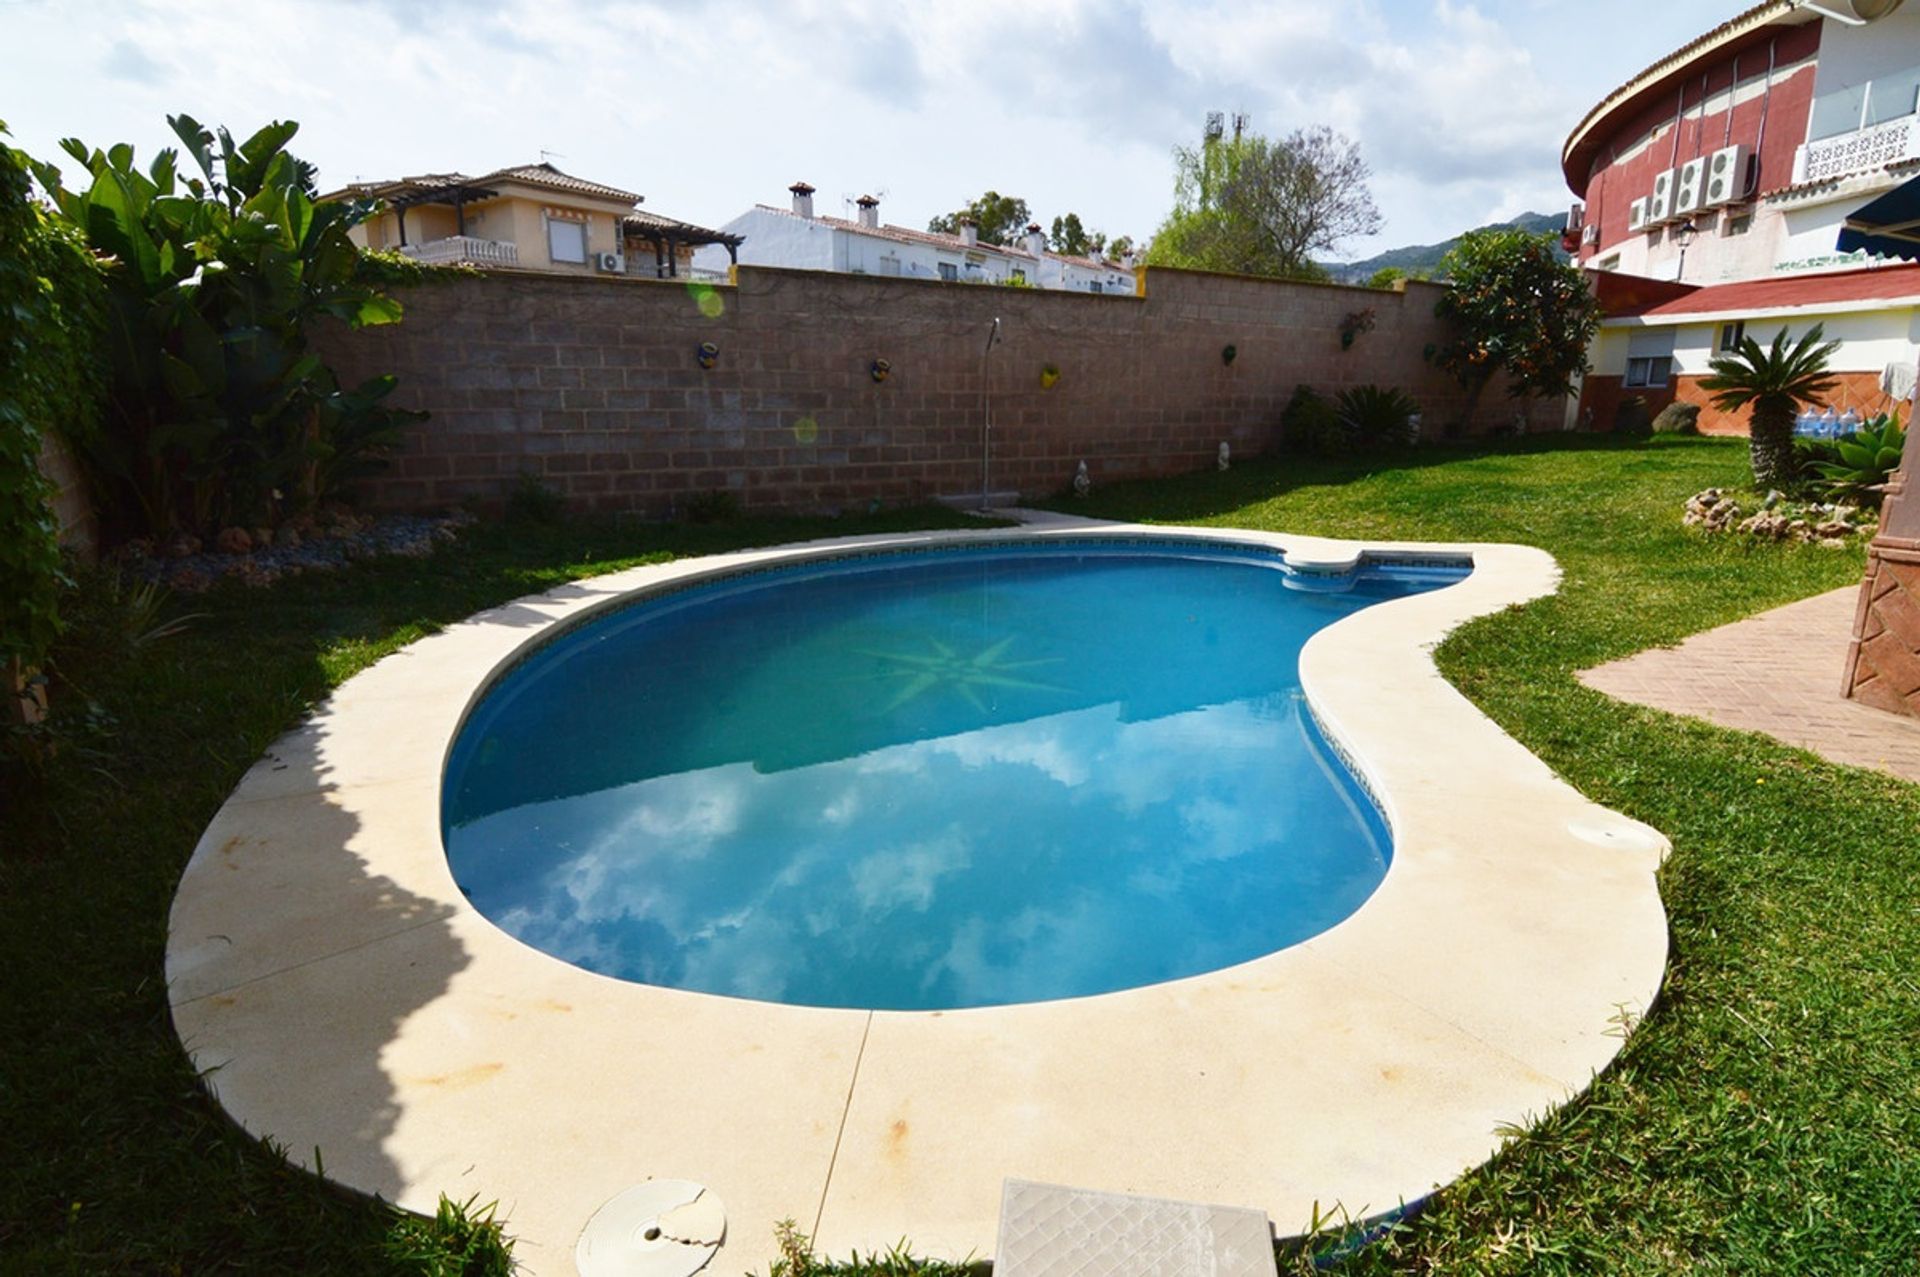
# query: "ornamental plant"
x,y
1516,309
218,412
1864,460
51,298
1772,382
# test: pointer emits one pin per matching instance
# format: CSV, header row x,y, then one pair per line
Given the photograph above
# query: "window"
x,y
1649,371
1730,335
1094,287
949,272
1650,357
889,265
1017,276
1608,263
1737,224
566,241
1892,96
1837,112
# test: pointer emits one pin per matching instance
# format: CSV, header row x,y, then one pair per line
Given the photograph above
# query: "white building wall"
x,y
1110,277
776,238
772,239
1870,340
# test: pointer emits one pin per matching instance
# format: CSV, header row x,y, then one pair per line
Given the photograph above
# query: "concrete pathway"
x,y
1777,673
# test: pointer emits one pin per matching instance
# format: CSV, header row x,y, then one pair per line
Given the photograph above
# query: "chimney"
x,y
969,232
802,199
1036,240
869,210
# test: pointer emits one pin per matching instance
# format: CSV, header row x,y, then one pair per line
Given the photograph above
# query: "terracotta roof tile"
x,y
1884,283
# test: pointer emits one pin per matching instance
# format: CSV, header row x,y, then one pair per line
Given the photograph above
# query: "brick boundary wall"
x,y
592,387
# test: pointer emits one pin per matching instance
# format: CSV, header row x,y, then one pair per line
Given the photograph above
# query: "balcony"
x,y
1858,151
457,249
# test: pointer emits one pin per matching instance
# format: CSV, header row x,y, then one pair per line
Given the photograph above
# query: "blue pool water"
x,y
931,780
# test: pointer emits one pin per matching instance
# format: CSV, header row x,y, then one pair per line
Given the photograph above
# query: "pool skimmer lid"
x,y
662,1228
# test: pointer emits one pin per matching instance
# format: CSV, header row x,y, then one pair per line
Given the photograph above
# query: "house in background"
x,y
799,239
1714,185
530,217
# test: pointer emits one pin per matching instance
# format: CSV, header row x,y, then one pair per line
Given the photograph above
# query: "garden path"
x,y
1777,673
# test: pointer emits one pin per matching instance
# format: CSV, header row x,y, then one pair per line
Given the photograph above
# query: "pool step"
x,y
1049,1230
972,501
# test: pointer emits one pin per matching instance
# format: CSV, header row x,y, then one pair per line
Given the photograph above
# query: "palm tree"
x,y
1775,382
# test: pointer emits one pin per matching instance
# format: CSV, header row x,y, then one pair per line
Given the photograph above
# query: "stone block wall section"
x,y
593,388
72,504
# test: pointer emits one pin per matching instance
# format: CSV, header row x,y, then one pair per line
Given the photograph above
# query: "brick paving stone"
x,y
1800,651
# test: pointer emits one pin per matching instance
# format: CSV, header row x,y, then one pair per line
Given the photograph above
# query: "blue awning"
x,y
1888,226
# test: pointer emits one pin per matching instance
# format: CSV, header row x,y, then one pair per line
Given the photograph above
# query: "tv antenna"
x,y
1239,124
547,157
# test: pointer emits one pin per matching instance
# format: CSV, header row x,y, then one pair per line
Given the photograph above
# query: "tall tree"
x,y
1516,308
1253,205
1071,239
1000,218
1773,382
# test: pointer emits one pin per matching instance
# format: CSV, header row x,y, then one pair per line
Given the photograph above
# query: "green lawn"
x,y
1765,1118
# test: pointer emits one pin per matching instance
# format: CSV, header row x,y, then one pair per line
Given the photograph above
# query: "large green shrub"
x,y
50,300
1310,424
218,412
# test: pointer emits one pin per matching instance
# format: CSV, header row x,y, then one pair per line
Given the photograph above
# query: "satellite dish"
x,y
1853,12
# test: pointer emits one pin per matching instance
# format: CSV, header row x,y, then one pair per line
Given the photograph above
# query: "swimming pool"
x,y
339,993
932,780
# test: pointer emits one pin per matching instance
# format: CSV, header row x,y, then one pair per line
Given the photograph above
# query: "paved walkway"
x,y
1777,673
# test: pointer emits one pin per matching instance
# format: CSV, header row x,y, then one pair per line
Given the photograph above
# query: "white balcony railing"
x,y
464,248
1875,146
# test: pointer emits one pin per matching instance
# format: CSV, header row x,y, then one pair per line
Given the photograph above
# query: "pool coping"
x,y
343,999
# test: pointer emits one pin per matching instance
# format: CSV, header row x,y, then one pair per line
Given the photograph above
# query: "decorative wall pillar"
x,y
1883,662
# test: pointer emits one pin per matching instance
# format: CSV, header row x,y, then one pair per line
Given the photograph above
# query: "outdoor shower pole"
x,y
986,417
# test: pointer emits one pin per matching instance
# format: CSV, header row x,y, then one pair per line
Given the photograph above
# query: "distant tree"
x,y
1387,277
1120,247
1070,239
1000,218
1516,308
1773,382
1264,206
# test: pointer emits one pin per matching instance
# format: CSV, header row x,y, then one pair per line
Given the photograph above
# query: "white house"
x,y
800,239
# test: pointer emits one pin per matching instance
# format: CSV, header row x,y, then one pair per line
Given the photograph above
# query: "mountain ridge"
x,y
1417,259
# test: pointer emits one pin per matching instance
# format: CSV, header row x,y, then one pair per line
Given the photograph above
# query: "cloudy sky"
x,y
1460,106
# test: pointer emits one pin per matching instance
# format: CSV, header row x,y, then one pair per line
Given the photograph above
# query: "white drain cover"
x,y
662,1228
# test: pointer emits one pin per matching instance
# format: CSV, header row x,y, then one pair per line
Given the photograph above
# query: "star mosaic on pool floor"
x,y
943,667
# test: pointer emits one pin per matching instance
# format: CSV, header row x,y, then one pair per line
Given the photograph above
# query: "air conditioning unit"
x,y
1660,202
1690,191
1590,233
1637,214
1727,171
612,263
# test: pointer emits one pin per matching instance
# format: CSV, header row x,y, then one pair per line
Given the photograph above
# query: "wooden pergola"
x,y
667,236
451,189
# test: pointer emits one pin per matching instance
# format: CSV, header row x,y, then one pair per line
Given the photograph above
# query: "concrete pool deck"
x,y
346,1001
